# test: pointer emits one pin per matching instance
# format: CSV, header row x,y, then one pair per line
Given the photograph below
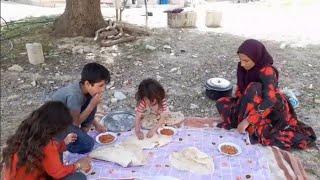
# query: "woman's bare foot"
x,y
201,122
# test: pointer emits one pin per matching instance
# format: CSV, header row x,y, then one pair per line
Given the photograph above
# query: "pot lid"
x,y
220,83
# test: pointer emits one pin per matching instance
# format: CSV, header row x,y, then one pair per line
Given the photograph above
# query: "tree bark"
x,y
80,18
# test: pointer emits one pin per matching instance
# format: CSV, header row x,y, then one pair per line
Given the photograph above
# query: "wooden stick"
x,y
107,34
134,30
108,43
145,4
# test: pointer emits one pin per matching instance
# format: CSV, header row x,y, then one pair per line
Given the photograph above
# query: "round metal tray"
x,y
119,121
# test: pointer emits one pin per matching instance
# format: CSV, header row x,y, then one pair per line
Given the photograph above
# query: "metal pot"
x,y
217,88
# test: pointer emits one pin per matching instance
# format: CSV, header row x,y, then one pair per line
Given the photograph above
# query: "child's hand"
x,y
71,137
140,135
100,128
150,133
84,164
96,99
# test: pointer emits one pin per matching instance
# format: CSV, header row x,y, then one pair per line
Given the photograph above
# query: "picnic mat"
x,y
251,163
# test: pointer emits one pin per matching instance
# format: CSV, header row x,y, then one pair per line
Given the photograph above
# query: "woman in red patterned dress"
x,y
259,107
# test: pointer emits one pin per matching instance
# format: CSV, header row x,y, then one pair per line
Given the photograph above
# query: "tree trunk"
x,y
80,18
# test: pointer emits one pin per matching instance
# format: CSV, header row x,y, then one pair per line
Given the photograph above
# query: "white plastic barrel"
x,y
35,53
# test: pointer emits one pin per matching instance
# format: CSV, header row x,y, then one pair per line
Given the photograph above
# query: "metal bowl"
x,y
119,121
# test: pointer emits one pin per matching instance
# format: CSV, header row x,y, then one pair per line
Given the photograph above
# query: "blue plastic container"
x,y
164,1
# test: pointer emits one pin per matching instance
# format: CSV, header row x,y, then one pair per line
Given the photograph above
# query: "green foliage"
x,y
28,30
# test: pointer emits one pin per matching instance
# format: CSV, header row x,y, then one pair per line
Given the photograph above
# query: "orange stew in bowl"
x,y
228,149
167,132
106,138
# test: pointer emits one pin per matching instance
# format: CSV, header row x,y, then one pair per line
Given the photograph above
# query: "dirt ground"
x,y
181,60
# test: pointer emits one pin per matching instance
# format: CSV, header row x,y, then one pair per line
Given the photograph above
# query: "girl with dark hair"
x,y
259,107
32,152
151,98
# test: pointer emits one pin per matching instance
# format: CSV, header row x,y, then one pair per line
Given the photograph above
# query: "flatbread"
x,y
193,160
147,143
124,155
149,120
173,118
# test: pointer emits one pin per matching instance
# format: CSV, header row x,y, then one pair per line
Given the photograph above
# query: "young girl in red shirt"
x,y
32,153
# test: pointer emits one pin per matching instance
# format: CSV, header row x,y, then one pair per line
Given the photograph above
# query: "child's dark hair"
x,y
152,90
34,133
94,73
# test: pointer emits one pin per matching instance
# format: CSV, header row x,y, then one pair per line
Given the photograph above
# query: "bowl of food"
x,y
229,149
106,138
167,131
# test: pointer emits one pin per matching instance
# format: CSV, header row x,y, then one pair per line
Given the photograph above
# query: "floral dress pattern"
x,y
272,119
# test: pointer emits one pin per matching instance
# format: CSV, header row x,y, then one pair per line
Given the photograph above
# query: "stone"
x,y
110,85
137,63
87,49
158,77
34,83
194,106
109,61
90,56
173,69
119,95
283,45
166,47
77,50
114,100
149,47
15,67
64,46
298,45
35,53
13,97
